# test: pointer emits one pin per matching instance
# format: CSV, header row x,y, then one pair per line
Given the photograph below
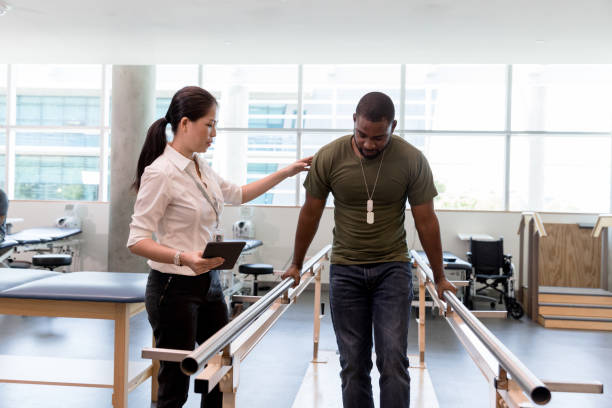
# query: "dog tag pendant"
x,y
370,205
370,217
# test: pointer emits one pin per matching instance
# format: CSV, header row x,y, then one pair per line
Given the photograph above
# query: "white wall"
x,y
275,226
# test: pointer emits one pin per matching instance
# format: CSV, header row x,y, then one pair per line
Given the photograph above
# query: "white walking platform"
x,y
321,385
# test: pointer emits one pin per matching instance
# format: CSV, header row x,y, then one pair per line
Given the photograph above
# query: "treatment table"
x,y
455,268
40,239
113,296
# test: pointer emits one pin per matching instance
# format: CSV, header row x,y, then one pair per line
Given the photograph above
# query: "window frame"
x,y
10,128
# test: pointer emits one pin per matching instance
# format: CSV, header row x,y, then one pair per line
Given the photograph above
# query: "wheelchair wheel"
x,y
514,308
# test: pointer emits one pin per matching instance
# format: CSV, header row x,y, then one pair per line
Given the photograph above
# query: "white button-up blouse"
x,y
170,205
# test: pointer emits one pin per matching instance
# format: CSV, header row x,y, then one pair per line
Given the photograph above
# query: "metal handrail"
x,y
194,361
530,384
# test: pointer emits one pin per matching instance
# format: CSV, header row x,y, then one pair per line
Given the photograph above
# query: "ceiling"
x,y
306,31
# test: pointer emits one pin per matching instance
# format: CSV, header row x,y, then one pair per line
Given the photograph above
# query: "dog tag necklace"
x,y
370,202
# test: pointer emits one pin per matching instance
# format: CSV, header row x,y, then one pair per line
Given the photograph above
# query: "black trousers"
x,y
183,311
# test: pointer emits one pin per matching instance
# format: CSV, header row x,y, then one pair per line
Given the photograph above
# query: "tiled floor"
x,y
271,376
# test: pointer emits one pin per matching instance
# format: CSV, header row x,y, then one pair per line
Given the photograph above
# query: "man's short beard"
x,y
371,156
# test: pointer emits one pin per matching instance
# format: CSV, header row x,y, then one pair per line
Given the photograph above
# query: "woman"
x,y
180,199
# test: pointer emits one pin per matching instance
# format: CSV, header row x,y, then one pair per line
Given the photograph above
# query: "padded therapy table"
x,y
43,235
113,296
41,239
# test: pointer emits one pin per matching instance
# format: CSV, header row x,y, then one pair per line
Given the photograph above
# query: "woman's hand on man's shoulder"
x,y
299,166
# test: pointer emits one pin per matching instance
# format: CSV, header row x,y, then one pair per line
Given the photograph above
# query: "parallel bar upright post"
x,y
530,271
317,316
421,321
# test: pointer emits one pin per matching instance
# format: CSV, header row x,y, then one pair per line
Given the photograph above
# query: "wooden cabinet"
x,y
569,257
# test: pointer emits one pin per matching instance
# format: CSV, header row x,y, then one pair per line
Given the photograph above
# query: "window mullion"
x,y
102,187
300,108
402,110
508,135
11,119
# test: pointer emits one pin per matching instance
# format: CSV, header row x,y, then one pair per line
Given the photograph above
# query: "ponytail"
x,y
191,102
153,147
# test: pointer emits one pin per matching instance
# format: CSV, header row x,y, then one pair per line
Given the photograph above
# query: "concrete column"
x,y
133,108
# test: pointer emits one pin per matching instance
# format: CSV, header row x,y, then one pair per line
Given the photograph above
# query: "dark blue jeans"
x,y
372,298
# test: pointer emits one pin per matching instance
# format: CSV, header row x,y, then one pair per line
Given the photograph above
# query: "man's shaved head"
x,y
376,106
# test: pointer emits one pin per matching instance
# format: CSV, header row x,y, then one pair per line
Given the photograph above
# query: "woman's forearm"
x,y
154,251
255,189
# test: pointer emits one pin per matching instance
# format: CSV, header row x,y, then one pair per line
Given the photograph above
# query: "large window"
x,y
169,79
468,169
549,150
256,104
562,98
57,132
3,123
41,110
47,177
2,109
455,97
560,173
3,72
331,92
59,139
2,160
562,161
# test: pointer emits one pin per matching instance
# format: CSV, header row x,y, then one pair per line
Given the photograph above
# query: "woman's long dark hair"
x,y
191,102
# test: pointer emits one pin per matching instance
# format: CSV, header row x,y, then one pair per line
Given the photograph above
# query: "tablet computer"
x,y
228,250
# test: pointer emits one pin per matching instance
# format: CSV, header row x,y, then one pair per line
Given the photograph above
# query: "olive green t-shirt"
x,y
404,175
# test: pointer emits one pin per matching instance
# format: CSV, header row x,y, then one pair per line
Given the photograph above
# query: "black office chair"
x,y
492,268
52,261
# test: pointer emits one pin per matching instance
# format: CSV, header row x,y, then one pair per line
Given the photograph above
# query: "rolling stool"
x,y
256,270
52,261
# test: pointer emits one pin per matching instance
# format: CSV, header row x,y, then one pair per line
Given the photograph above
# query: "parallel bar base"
x,y
63,371
321,385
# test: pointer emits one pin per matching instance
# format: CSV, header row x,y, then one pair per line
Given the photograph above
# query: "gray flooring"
x,y
270,377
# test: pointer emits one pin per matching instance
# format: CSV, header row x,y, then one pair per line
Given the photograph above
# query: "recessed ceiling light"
x,y
540,41
4,8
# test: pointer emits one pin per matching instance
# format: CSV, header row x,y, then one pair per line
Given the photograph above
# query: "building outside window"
x,y
56,132
552,139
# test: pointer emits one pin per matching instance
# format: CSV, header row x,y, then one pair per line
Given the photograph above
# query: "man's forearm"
x,y
308,223
429,234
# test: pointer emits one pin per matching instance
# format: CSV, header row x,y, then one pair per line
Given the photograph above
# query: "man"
x,y
371,174
3,211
